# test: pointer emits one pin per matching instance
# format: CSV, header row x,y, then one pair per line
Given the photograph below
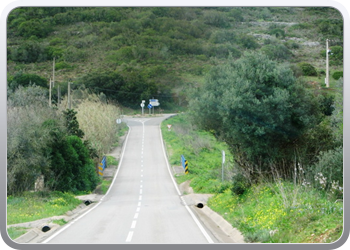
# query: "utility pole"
x,y
58,95
327,64
69,99
50,94
52,83
53,73
222,165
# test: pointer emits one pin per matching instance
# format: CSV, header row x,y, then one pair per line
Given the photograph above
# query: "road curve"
x,y
143,206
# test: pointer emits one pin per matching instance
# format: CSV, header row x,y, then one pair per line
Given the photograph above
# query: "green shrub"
x,y
54,52
329,171
30,51
25,80
336,75
57,41
262,235
70,162
240,184
62,65
307,69
279,33
34,27
277,51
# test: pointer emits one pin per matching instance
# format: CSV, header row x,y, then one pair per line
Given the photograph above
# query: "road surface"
x,y
143,206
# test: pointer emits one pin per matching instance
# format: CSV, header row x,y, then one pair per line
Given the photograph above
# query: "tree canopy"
x,y
258,107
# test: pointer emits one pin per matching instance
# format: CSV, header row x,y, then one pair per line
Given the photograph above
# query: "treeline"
x,y
48,141
153,47
275,124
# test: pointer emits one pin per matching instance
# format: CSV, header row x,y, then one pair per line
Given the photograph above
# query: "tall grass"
x,y
97,118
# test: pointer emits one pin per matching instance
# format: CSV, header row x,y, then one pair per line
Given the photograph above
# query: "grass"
x,y
15,232
60,222
111,161
34,206
202,152
105,186
267,212
262,215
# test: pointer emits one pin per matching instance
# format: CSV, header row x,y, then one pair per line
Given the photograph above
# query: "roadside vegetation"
x,y
280,211
31,206
48,142
285,140
250,81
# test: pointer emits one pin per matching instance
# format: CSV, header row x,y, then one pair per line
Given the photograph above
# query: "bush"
x,y
27,139
54,52
307,69
336,75
28,52
72,54
34,27
277,51
216,18
329,171
71,168
279,33
240,184
25,80
248,41
337,54
62,65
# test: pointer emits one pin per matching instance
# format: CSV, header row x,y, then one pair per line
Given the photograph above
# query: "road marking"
x,y
138,209
133,224
140,197
201,228
136,215
139,204
140,191
128,239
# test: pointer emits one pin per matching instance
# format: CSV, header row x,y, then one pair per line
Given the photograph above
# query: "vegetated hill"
x,y
139,53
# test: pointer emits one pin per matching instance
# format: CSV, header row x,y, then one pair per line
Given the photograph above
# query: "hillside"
x,y
132,54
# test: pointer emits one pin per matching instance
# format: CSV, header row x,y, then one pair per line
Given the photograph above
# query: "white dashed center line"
x,y
133,224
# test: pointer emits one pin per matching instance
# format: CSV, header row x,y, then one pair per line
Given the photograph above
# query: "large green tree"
x,y
259,108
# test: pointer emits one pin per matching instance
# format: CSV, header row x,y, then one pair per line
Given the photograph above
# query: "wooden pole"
x,y
50,94
69,101
327,64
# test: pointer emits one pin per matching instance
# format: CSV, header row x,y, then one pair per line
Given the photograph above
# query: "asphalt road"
x,y
143,206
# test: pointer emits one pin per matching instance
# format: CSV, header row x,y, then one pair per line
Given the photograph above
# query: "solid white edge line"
x,y
76,219
206,235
